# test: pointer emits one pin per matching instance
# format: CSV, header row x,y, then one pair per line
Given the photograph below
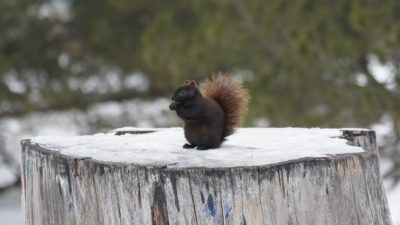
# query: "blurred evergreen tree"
x,y
306,63
305,57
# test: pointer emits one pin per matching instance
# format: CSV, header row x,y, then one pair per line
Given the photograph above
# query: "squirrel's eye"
x,y
183,92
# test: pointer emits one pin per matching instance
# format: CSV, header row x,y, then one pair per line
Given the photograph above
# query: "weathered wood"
x,y
338,189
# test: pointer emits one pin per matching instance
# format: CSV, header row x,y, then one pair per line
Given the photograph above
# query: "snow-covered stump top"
x,y
258,176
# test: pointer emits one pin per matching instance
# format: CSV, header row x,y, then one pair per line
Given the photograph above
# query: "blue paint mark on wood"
x,y
139,219
27,168
227,211
69,206
211,204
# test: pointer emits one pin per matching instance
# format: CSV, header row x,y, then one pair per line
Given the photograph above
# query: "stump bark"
x,y
68,188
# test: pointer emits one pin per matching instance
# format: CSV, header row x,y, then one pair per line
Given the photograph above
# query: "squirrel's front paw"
x,y
173,106
188,146
202,148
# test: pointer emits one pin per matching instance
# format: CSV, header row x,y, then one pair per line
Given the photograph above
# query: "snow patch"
x,y
247,147
384,73
7,176
137,81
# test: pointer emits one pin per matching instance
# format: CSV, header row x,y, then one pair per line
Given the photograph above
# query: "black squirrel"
x,y
211,111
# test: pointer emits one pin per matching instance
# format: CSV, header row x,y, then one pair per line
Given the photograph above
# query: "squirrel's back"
x,y
230,94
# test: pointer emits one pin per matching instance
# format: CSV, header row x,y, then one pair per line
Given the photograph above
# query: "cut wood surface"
x,y
259,176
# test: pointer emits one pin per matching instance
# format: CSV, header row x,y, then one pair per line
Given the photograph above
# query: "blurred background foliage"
x,y
306,63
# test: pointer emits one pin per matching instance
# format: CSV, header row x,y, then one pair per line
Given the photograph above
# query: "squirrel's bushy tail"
x,y
230,94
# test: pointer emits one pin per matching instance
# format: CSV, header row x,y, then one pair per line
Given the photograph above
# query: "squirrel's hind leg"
x,y
189,145
202,148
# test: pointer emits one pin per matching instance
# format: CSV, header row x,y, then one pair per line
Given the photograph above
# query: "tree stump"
x,y
259,176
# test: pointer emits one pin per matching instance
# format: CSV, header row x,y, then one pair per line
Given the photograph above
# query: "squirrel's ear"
x,y
192,83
